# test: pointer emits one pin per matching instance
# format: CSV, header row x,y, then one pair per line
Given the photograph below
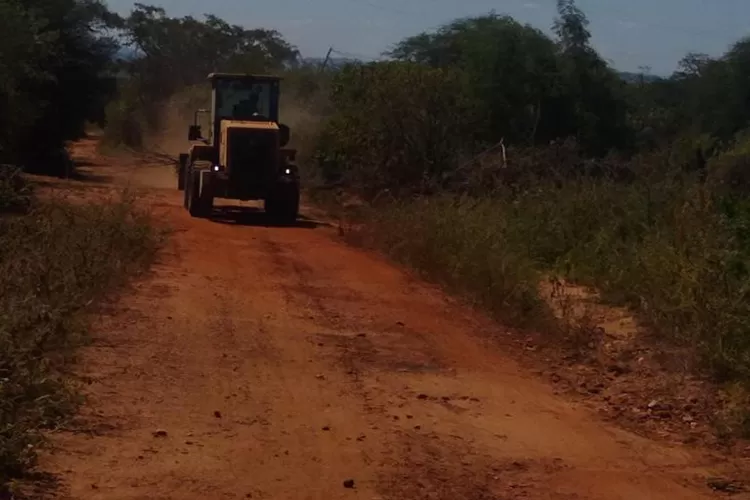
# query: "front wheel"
x,y
283,205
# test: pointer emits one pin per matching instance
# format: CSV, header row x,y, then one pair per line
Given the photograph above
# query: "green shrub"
x,y
668,248
397,126
462,244
54,262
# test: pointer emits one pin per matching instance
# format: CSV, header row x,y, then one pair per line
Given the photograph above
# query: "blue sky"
x,y
629,33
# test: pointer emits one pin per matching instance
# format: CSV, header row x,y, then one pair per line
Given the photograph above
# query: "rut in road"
x,y
280,363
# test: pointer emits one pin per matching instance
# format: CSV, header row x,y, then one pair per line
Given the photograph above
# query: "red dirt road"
x,y
280,363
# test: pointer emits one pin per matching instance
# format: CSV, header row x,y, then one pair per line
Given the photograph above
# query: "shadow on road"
x,y
87,176
252,216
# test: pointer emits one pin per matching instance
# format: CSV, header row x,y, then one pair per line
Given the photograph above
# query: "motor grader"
x,y
245,155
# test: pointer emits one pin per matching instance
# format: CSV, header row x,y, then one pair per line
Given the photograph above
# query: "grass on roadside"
x,y
670,249
55,261
461,243
15,192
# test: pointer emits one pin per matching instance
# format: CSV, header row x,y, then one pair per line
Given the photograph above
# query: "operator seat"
x,y
246,108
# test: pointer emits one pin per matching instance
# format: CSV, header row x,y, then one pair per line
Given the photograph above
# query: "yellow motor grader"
x,y
244,157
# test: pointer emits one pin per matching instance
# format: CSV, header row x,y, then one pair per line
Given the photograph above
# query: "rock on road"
x,y
279,363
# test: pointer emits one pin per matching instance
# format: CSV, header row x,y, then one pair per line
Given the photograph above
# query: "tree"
x,y
534,90
593,102
399,126
715,95
572,29
55,62
513,68
173,53
692,65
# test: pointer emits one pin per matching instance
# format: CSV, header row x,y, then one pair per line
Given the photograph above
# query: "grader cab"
x,y
244,156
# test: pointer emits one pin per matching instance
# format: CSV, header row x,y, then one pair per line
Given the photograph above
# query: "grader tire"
x,y
186,190
199,197
181,170
195,203
283,205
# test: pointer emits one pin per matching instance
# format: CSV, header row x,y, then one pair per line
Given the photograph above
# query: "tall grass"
x,y
55,261
668,248
15,192
462,244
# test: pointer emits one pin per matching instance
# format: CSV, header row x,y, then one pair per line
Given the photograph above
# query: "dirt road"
x,y
278,363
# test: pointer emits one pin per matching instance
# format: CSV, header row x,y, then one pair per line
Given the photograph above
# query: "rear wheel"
x,y
187,188
207,195
198,199
181,169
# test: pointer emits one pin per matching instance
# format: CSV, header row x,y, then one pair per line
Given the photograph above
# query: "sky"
x,y
628,33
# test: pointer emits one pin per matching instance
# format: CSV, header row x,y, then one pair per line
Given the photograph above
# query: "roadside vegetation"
x,y
57,261
493,157
625,185
57,258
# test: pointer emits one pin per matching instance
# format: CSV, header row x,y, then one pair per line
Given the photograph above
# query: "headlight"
x,y
216,168
287,171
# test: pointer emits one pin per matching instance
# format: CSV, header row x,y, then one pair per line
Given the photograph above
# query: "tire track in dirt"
x,y
448,461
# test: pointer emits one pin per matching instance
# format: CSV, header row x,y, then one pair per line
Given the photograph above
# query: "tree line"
x,y
530,91
453,92
55,73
